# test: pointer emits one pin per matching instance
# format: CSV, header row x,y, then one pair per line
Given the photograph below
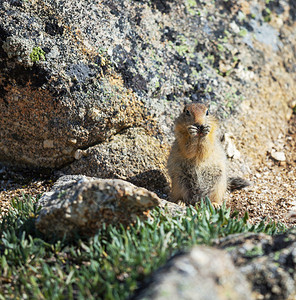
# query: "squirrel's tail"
x,y
237,183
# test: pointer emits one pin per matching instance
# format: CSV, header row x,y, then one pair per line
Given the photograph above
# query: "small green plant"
x,y
111,264
37,54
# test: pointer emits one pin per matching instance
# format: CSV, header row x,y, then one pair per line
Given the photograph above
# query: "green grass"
x,y
109,265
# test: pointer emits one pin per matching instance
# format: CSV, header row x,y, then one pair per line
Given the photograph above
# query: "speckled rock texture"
x,y
203,273
132,155
268,263
245,266
81,205
75,73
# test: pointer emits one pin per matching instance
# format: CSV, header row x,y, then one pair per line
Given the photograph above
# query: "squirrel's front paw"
x,y
205,129
193,130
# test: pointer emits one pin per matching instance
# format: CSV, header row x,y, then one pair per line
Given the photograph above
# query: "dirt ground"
x,y
272,195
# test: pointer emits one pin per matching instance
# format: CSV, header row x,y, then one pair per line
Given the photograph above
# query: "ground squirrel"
x,y
197,162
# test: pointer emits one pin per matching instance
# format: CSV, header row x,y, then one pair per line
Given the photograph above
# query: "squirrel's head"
x,y
194,114
194,121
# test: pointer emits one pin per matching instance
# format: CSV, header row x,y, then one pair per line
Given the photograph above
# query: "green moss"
x,y
157,84
230,248
266,13
37,54
195,74
256,251
209,89
182,49
235,58
211,58
190,5
220,47
243,32
225,38
62,194
277,255
229,104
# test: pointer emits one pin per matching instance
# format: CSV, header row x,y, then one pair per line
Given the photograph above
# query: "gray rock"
x,y
75,73
133,156
81,205
59,92
230,148
202,274
268,262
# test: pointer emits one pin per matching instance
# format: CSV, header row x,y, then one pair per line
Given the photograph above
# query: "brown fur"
x,y
197,162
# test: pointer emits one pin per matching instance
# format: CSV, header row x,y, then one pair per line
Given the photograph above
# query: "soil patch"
x,y
272,195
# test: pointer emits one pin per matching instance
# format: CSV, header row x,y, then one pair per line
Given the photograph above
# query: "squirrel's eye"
x,y
207,113
187,112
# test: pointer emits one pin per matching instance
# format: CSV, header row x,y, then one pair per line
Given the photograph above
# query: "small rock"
x,y
72,141
292,103
230,148
278,155
48,144
79,154
289,114
234,27
82,204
